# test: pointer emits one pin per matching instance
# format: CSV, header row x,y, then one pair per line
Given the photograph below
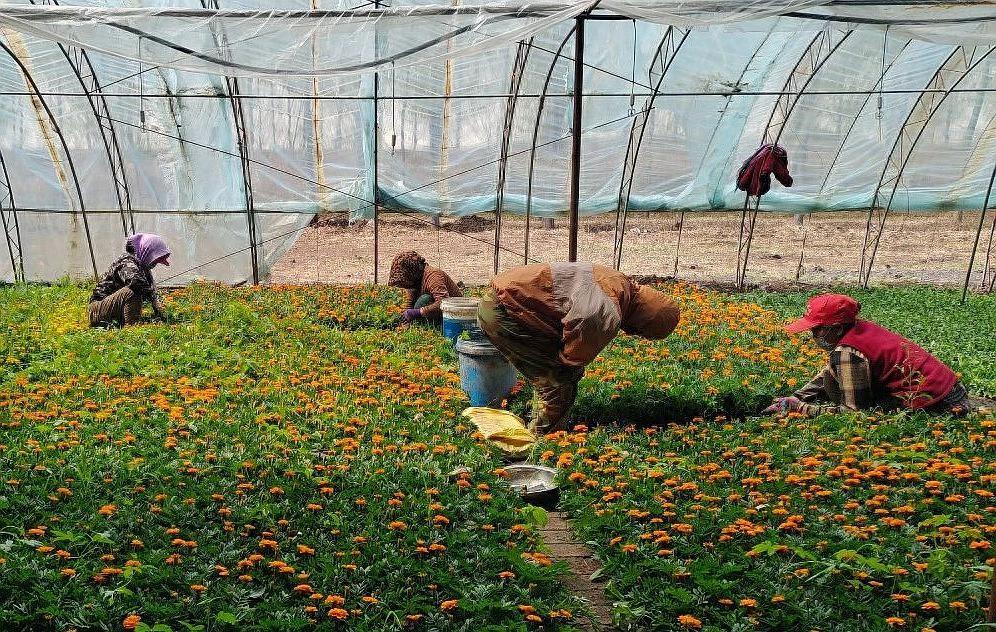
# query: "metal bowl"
x,y
534,483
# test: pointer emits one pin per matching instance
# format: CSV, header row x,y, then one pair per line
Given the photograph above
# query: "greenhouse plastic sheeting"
x,y
180,118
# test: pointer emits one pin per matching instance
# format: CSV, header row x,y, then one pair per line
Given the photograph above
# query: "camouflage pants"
x,y
555,386
122,308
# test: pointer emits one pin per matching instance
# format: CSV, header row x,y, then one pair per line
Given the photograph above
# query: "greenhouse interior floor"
x,y
334,251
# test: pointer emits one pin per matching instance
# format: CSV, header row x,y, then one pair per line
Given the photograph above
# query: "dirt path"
x,y
564,546
924,248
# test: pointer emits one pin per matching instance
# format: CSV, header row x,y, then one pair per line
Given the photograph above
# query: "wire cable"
x,y
367,203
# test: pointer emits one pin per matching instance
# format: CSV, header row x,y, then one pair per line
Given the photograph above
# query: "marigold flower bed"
x,y
248,467
278,458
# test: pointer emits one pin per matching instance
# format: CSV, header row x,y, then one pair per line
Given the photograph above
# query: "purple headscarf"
x,y
148,248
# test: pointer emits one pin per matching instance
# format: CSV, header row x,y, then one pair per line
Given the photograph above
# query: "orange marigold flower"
x,y
131,622
690,622
449,605
198,588
67,572
338,614
896,622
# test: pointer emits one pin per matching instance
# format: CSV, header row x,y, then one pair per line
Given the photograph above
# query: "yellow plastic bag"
x,y
502,428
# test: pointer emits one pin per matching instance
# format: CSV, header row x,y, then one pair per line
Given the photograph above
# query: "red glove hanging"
x,y
754,176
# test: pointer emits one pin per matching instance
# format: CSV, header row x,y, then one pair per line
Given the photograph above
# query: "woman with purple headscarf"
x,y
118,297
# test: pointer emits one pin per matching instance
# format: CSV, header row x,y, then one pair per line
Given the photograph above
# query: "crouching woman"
x,y
425,287
117,299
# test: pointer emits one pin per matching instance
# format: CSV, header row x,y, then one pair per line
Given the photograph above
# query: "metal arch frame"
x,y
712,137
33,87
242,139
11,228
79,61
515,83
986,270
820,49
536,126
978,235
667,50
857,116
927,104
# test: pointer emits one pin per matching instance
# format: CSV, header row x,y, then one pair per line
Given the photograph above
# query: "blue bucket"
x,y
485,375
459,315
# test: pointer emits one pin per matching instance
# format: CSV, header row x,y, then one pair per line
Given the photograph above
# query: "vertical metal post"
x,y
677,248
575,192
532,150
376,143
376,161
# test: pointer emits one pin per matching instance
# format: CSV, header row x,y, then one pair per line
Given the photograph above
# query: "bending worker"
x,y
426,287
551,320
869,366
117,299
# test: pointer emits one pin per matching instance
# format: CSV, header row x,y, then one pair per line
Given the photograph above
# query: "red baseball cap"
x,y
826,309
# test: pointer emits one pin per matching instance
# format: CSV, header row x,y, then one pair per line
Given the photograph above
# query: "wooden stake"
x,y
991,614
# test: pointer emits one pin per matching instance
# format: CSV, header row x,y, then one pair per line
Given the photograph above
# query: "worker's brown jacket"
x,y
582,304
440,286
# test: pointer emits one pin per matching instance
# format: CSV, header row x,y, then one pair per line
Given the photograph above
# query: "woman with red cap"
x,y
869,366
117,299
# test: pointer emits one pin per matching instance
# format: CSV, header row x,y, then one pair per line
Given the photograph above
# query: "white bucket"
x,y
459,314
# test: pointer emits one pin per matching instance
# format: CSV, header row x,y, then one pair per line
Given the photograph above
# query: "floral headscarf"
x,y
147,248
406,270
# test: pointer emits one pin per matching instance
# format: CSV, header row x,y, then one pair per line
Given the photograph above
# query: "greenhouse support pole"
x,y
677,248
532,150
978,237
575,193
36,94
376,161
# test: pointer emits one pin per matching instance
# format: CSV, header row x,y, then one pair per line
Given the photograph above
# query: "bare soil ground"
x,y
924,248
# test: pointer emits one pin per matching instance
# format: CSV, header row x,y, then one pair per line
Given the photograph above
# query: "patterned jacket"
x,y
583,305
126,271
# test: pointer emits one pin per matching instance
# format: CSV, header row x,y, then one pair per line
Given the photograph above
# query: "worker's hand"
x,y
784,404
411,314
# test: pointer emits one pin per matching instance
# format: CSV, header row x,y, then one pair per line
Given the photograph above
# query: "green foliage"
x,y
217,472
